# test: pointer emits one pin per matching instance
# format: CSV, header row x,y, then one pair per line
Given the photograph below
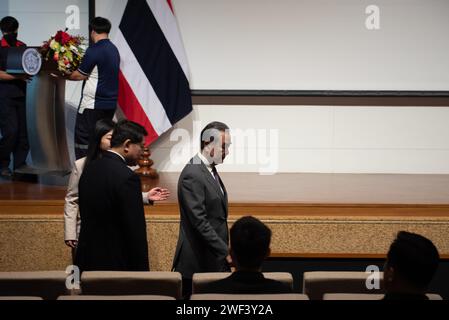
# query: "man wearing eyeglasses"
x,y
113,233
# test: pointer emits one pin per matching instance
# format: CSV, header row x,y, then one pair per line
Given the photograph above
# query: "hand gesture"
x,y
71,243
158,194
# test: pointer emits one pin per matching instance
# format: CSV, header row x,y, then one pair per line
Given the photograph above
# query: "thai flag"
x,y
153,81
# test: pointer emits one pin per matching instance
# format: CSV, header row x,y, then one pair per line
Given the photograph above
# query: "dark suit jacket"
x,y
113,228
203,233
247,282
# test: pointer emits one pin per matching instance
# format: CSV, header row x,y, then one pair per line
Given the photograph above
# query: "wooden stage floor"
x,y
285,194
311,216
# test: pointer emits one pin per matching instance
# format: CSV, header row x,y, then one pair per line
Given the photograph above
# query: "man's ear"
x,y
208,149
206,146
126,145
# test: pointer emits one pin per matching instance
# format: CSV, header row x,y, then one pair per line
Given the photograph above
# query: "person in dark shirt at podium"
x,y
99,69
13,127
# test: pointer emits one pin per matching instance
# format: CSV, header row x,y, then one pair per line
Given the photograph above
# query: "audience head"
x,y
250,243
215,142
101,140
411,263
128,140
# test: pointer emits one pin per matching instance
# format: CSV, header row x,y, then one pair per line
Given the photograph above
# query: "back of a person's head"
x,y
9,24
100,25
102,127
414,258
250,242
126,129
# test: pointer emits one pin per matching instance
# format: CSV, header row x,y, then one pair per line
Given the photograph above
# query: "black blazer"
x,y
203,234
113,228
247,282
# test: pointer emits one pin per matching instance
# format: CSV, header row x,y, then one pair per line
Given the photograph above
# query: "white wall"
x,y
316,44
321,139
310,138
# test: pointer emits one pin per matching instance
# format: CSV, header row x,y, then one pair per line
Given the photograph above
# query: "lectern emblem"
x,y
31,61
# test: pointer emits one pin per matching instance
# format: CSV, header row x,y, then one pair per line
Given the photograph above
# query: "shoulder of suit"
x,y
116,165
192,169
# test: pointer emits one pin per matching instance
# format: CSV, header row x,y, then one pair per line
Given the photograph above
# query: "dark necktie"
x,y
216,177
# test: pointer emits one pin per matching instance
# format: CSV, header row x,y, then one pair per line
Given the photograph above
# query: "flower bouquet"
x,y
64,50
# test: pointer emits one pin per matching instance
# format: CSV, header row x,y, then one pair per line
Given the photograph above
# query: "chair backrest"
x,y
45,284
317,283
117,297
132,283
22,298
352,296
201,279
367,296
255,297
434,296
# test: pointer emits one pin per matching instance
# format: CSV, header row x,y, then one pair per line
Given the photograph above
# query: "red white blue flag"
x,y
153,81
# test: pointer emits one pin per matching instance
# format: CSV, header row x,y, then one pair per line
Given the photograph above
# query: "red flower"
x,y
62,37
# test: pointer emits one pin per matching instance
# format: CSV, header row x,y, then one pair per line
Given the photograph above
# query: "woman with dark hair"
x,y
100,142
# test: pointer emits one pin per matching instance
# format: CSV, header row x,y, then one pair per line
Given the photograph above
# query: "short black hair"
x,y
250,242
209,131
9,24
126,129
100,25
413,257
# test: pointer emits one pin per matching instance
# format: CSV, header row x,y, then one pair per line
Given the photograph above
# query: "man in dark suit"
x,y
203,203
113,232
250,245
